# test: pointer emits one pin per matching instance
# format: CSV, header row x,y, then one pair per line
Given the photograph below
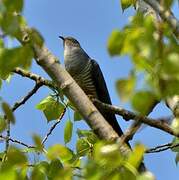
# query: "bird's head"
x,y
69,42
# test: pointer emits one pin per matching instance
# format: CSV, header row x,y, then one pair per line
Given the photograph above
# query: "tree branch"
x,y
53,127
34,77
128,115
16,141
165,15
161,148
28,96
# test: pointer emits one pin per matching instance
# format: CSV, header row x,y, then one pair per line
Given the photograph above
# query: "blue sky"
x,y
91,22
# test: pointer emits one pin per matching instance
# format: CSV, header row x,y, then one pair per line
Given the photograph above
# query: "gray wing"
x,y
103,96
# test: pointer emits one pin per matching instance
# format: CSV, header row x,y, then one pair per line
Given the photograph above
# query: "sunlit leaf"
x,y
12,58
82,147
54,167
36,37
136,155
16,157
105,154
177,158
68,131
175,142
125,88
8,112
146,176
77,116
115,43
89,134
59,151
143,101
38,142
3,124
175,125
127,3
13,6
51,108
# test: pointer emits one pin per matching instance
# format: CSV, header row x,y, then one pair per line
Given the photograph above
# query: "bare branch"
x,y
128,115
161,148
130,132
53,127
16,141
29,95
34,77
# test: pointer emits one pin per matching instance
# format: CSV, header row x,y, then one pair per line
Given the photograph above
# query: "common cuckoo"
x,y
87,73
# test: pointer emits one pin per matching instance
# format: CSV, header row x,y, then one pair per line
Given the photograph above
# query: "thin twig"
x,y
128,115
131,131
15,106
29,95
16,141
34,77
8,131
161,148
53,127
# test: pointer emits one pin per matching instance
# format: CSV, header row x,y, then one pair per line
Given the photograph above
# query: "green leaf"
x,y
38,173
13,6
68,131
8,112
167,3
10,174
12,58
51,108
89,134
177,158
127,3
38,142
143,101
105,153
77,116
146,176
36,37
136,155
54,167
175,142
59,151
82,147
175,125
12,24
115,42
125,88
3,124
16,157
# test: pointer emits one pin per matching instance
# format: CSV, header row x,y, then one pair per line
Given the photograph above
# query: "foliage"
x,y
153,51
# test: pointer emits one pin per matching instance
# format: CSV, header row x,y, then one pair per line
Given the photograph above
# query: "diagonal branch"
x,y
161,148
34,77
28,96
128,115
166,15
53,127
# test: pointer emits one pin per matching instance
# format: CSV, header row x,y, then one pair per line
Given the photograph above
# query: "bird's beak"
x,y
61,37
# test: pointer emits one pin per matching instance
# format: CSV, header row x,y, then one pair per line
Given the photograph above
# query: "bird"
x,y
88,75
